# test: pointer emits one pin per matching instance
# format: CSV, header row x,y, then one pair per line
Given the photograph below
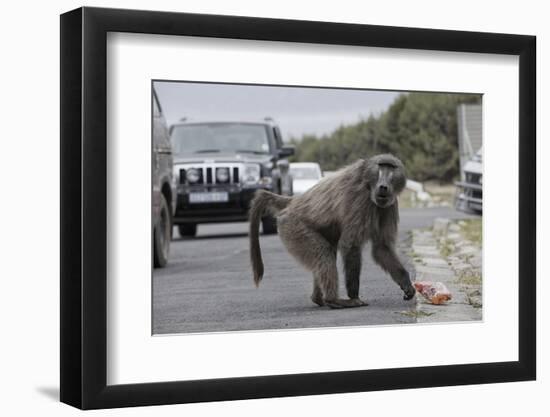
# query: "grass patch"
x,y
416,313
446,248
415,256
471,230
469,278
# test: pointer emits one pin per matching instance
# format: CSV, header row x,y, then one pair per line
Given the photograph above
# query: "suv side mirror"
x,y
286,151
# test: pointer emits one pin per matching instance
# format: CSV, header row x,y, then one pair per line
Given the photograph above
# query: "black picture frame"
x,y
84,207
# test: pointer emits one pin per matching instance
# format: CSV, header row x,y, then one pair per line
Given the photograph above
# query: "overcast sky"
x,y
297,110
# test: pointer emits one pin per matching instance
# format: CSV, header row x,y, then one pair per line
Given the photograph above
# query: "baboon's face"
x,y
386,180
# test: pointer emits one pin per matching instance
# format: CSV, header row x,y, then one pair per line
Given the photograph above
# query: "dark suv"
x,y
219,165
163,187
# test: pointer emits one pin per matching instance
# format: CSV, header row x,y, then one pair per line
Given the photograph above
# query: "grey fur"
x,y
342,212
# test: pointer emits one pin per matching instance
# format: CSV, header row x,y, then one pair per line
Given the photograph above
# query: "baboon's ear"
x,y
366,167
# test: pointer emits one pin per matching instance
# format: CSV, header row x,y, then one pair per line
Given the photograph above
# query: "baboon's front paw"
x,y
409,293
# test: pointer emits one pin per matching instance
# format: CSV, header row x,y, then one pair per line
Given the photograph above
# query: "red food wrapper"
x,y
434,292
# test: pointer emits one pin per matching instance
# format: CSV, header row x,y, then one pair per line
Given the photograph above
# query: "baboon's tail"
x,y
263,203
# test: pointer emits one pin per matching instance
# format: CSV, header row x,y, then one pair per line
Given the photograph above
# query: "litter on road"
x,y
434,292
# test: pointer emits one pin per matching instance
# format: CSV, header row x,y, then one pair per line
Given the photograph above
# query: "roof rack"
x,y
185,119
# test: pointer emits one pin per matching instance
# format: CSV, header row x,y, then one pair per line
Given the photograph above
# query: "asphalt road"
x,y
207,285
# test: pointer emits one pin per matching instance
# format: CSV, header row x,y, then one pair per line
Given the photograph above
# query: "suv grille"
x,y
473,178
208,175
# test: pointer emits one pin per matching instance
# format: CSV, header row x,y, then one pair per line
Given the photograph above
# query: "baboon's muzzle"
x,y
383,201
383,192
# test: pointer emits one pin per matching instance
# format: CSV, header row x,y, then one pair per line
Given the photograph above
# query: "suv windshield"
x,y
220,137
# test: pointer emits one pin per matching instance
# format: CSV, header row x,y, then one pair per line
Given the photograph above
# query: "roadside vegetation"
x,y
419,128
472,230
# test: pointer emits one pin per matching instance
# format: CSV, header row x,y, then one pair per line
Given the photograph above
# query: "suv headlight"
x,y
222,175
251,174
193,175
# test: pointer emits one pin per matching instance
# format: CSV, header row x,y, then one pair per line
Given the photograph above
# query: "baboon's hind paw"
x,y
342,303
318,300
334,304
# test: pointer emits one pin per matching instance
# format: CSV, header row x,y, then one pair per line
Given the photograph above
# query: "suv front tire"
x,y
269,225
162,234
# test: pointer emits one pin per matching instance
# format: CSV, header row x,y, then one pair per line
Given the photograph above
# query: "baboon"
x,y
341,212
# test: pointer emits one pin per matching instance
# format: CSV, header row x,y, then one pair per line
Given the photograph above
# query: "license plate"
x,y
215,197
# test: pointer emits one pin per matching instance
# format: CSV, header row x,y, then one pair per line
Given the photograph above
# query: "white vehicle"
x,y
470,189
304,176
